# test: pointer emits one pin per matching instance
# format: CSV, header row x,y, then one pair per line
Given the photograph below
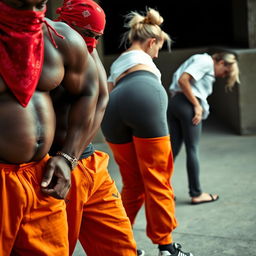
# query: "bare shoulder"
x,y
73,45
65,30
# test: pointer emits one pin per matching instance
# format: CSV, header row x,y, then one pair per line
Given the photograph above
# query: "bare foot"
x,y
204,198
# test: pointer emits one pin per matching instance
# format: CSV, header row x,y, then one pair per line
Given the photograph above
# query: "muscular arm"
x,y
82,89
81,118
93,103
185,85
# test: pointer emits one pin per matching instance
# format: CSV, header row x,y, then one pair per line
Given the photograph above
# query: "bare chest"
x,y
52,71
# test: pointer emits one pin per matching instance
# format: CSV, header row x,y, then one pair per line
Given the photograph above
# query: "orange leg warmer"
x,y
156,166
133,186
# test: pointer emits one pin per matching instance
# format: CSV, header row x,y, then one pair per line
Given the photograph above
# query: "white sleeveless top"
x,y
130,59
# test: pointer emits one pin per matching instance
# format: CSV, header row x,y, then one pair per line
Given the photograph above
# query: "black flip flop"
x,y
207,201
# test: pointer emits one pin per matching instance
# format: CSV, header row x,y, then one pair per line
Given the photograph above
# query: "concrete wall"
x,y
237,108
247,91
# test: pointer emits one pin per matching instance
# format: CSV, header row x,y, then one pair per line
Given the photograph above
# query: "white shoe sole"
x,y
142,253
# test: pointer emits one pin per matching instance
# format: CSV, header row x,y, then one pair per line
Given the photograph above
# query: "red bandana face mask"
x,y
90,42
85,14
21,50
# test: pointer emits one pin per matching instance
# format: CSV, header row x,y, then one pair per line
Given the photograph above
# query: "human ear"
x,y
151,42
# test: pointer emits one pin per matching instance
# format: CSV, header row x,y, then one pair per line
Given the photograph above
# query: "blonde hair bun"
x,y
144,26
153,17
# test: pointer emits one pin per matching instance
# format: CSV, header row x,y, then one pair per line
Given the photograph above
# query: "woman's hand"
x,y
198,114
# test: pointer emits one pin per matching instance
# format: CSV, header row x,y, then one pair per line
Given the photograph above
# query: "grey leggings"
x,y
137,107
180,113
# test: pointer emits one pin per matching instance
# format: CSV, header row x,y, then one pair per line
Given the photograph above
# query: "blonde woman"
x,y
192,83
135,127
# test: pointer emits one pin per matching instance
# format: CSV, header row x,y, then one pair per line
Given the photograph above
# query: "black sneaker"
x,y
140,253
175,251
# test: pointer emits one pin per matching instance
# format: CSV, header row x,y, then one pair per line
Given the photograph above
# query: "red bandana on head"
x,y
21,50
85,14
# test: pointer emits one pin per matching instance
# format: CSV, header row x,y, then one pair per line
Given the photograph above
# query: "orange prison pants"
x,y
146,166
31,223
95,211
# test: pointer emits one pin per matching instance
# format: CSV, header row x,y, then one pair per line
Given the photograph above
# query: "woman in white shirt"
x,y
192,83
135,127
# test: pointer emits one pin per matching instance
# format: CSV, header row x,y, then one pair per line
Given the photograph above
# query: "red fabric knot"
x,y
58,11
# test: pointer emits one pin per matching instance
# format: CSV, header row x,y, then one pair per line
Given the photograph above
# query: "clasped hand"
x,y
56,180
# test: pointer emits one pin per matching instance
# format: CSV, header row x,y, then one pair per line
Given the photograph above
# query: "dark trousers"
x,y
180,114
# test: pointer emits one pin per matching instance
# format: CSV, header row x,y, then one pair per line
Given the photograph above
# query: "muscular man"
x,y
35,59
96,215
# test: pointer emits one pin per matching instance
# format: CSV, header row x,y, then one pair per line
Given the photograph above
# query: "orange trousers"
x,y
146,167
31,223
96,215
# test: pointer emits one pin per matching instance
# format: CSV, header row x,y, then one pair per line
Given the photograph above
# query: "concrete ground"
x,y
223,228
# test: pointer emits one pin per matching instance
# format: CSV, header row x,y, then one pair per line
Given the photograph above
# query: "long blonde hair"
x,y
141,27
229,59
